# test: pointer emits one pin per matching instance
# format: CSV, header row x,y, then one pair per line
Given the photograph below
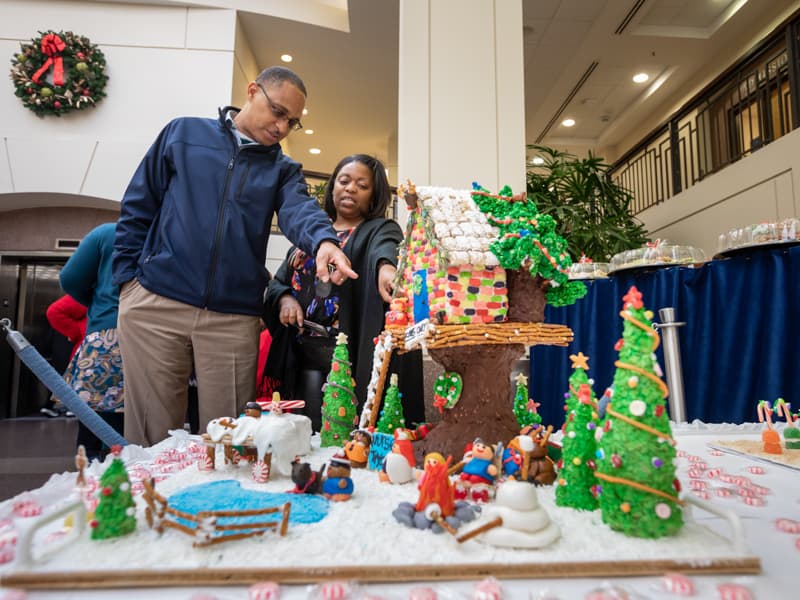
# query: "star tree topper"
x,y
579,361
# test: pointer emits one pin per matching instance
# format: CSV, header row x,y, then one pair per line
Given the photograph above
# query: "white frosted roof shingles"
x,y
462,231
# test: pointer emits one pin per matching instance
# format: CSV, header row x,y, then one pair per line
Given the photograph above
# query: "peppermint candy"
x,y
488,589
677,583
787,525
422,593
753,501
266,590
334,590
27,508
733,591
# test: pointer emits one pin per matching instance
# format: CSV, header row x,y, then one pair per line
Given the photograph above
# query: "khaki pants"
x,y
159,338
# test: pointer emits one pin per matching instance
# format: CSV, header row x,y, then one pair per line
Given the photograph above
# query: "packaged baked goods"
x,y
766,232
658,253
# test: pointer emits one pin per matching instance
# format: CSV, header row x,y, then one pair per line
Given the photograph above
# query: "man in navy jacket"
x,y
190,255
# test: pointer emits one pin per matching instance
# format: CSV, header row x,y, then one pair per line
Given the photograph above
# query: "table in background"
x,y
739,344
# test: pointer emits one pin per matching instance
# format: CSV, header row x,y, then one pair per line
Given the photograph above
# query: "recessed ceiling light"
x,y
309,131
286,57
641,77
537,160
568,122
314,150
305,111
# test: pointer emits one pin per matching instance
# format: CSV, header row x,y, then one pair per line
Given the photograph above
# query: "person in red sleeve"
x,y
67,316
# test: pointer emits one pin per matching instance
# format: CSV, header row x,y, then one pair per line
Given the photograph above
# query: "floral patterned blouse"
x,y
317,308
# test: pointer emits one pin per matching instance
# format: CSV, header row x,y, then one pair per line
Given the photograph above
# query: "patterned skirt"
x,y
95,372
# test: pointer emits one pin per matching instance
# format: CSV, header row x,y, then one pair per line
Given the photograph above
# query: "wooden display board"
x,y
749,565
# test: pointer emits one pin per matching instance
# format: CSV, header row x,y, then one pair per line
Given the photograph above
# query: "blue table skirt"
x,y
740,343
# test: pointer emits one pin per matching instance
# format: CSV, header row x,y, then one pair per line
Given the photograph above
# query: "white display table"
x,y
778,551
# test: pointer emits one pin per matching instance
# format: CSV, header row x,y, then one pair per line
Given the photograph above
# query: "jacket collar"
x,y
274,150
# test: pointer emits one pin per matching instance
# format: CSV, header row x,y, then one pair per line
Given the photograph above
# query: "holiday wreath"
x,y
59,72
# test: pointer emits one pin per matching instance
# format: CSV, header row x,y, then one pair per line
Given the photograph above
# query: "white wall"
x,y
461,113
162,62
762,187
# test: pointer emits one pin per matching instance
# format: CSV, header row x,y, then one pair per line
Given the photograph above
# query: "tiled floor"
x,y
31,449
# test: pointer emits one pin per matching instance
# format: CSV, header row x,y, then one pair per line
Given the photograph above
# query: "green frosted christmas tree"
x,y
392,413
525,409
576,480
529,240
115,512
635,470
339,401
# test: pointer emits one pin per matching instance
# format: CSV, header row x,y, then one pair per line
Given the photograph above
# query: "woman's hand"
x,y
386,273
289,311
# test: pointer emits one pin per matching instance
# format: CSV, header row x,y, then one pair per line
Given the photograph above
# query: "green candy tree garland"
x,y
59,72
116,510
529,240
577,485
635,469
339,401
392,413
525,408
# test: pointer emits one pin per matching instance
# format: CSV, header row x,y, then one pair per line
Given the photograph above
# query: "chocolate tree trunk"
x,y
526,296
485,409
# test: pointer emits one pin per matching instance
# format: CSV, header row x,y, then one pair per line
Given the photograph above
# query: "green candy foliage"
x,y
116,510
528,239
632,453
392,413
576,481
339,401
525,416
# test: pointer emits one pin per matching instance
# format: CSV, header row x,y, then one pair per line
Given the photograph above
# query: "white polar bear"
x,y
285,436
217,428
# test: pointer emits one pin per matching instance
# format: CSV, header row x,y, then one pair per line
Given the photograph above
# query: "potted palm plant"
x,y
591,211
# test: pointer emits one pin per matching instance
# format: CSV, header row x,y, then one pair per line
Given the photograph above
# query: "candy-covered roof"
x,y
462,232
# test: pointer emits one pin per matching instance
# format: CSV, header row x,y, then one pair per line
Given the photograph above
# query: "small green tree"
x,y
525,409
392,413
639,491
591,211
339,401
576,481
115,514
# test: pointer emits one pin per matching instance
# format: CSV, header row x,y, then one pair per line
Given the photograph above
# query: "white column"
x,y
461,109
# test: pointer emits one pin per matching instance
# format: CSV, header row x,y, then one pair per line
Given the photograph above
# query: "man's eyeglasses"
x,y
279,113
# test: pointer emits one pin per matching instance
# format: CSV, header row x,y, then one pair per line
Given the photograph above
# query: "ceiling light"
x,y
286,57
314,150
641,77
309,131
568,122
537,160
305,111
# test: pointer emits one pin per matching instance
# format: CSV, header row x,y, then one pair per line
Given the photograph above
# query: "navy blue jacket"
x,y
195,219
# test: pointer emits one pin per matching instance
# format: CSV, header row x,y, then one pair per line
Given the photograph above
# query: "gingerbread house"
x,y
447,272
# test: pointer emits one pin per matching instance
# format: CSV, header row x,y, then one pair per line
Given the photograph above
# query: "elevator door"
x,y
27,287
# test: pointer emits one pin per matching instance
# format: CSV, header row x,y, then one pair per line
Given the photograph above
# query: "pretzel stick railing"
x,y
381,383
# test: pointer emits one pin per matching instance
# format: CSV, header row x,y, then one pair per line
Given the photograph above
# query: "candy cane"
x,y
783,409
764,413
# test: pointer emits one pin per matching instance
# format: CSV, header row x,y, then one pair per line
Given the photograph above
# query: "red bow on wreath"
x,y
52,47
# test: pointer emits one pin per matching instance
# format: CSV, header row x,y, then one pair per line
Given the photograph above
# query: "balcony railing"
x,y
753,103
